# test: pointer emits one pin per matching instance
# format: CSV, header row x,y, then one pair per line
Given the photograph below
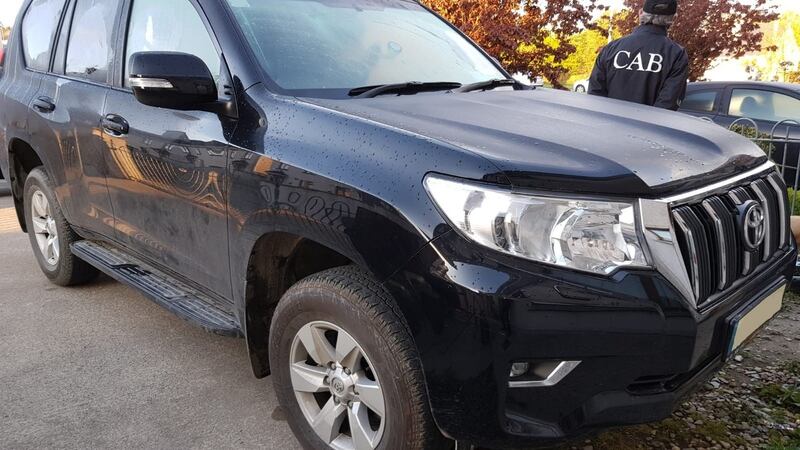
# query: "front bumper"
x,y
642,348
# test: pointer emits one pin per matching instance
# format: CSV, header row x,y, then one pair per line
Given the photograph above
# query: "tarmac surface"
x,y
100,366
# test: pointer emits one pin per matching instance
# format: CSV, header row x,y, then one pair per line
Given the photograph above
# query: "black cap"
x,y
661,7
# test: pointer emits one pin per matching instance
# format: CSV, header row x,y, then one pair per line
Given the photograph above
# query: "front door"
x,y
167,169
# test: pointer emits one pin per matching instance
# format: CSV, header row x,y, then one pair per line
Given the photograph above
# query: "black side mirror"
x,y
171,80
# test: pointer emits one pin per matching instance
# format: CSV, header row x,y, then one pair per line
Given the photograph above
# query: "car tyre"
x,y
50,233
580,89
339,309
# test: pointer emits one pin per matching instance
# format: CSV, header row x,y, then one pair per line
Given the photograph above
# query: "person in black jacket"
x,y
645,67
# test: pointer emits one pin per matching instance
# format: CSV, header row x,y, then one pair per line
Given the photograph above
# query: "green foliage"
x,y
781,442
760,139
779,45
588,44
793,367
794,199
785,396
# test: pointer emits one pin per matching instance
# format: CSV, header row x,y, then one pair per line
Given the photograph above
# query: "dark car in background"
x,y
771,109
418,248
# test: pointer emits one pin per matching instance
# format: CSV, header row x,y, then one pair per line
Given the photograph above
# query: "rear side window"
x,y
701,101
90,49
170,26
38,29
764,105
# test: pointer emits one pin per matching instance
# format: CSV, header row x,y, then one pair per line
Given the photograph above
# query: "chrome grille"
x,y
711,240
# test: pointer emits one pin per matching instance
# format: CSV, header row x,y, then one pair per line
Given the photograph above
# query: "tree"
x,y
5,32
782,39
709,29
588,44
527,36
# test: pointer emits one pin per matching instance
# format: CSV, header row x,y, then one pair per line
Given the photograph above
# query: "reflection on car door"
x,y
167,169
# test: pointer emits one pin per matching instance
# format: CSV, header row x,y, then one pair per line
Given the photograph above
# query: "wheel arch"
x,y
22,159
277,261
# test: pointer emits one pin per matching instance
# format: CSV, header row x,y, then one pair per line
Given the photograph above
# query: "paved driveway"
x,y
102,367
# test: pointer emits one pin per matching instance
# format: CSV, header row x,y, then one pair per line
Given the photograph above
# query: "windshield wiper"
x,y
487,85
410,88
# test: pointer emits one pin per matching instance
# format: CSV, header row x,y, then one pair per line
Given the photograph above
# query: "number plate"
x,y
747,322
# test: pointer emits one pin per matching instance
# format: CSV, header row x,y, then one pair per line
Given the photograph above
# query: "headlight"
x,y
590,235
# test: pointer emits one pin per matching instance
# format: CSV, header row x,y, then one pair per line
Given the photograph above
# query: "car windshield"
x,y
325,48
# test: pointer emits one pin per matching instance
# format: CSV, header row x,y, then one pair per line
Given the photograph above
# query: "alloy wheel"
x,y
44,228
337,388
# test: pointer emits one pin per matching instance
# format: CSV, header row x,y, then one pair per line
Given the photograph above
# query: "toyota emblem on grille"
x,y
754,229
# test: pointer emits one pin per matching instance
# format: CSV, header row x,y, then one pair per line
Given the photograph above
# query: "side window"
x,y
90,49
701,101
764,105
38,29
154,27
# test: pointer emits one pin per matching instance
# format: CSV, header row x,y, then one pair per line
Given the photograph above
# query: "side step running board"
x,y
187,303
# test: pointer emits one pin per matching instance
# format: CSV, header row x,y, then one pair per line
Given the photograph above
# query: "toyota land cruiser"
x,y
418,248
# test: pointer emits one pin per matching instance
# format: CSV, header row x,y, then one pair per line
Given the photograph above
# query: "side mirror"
x,y
171,80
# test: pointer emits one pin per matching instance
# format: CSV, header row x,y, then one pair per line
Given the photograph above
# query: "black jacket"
x,y
645,67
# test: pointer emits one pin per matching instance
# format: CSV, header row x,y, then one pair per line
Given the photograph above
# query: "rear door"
x,y
26,58
766,107
776,114
168,168
31,54
68,108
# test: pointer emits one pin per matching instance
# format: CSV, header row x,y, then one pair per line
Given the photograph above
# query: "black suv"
x,y
418,248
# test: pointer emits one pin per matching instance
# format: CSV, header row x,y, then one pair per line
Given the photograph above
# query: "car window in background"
x,y
700,101
316,45
90,50
170,26
764,105
38,29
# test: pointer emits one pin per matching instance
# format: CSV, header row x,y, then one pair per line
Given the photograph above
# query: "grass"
x,y
785,396
792,367
778,441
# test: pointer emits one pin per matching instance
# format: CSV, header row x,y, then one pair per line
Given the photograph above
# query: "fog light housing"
x,y
540,374
519,369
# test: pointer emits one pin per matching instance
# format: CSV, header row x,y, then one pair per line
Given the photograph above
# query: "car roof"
x,y
755,84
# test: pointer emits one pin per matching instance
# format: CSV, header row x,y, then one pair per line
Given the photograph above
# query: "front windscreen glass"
x,y
327,47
